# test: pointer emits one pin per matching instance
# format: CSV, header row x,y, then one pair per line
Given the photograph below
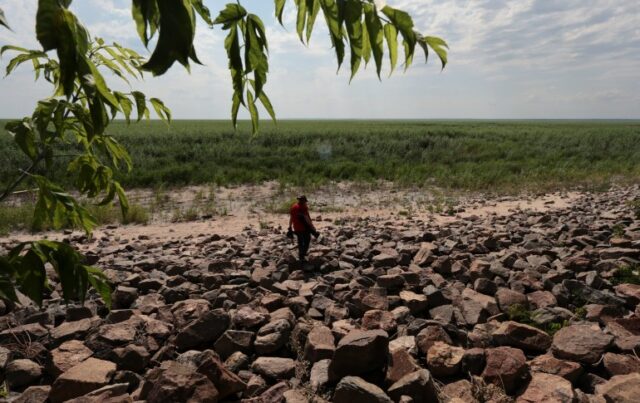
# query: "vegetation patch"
x,y
504,156
626,275
521,314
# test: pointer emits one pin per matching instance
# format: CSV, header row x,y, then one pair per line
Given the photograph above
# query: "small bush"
x,y
16,218
137,214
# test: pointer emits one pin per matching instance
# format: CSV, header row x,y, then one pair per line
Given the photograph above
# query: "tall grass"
x,y
470,155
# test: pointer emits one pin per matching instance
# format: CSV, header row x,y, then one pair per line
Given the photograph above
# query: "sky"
x,y
509,59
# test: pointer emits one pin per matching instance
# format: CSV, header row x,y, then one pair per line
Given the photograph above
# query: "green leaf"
x,y
7,289
267,105
48,20
391,35
404,24
98,281
125,105
202,11
280,9
235,108
23,134
375,33
147,17
253,111
301,18
333,18
352,19
439,46
141,104
313,8
3,20
175,43
32,276
122,198
100,84
232,13
162,111
232,45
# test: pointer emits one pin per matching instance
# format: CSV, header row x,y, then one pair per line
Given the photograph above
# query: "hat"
x,y
302,198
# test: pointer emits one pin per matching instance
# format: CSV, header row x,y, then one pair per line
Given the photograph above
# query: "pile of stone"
x,y
527,307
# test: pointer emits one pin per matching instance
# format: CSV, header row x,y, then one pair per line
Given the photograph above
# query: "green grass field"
x,y
465,155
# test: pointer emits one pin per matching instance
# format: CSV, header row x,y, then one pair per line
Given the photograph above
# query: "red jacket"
x,y
298,213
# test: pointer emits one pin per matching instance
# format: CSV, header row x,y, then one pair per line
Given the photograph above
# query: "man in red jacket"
x,y
303,228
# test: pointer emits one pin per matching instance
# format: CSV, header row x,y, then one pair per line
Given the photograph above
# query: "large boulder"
x,y
81,379
352,389
548,388
360,352
583,343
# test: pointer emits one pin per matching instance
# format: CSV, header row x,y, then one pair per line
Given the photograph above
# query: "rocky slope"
x,y
524,307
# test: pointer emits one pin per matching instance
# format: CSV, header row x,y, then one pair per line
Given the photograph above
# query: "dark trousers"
x,y
304,241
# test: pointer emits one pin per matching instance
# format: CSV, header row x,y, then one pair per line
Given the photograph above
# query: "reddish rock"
x,y
416,303
69,354
460,391
630,292
476,307
429,336
174,382
418,386
547,388
81,379
226,382
505,366
522,336
444,360
507,297
21,372
541,299
377,319
34,394
360,352
274,367
401,363
320,344
621,389
582,343
619,364
353,389
547,363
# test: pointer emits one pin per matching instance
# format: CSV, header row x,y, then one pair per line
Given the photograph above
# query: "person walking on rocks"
x,y
301,225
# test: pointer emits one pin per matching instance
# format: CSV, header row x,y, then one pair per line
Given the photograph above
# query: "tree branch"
x,y
9,190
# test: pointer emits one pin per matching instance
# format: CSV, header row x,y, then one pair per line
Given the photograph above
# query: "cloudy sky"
x,y
509,59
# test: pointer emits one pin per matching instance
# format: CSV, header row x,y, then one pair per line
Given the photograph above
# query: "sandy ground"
x,y
229,211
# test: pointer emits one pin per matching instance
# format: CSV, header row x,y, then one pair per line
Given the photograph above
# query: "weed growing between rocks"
x,y
521,314
626,275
